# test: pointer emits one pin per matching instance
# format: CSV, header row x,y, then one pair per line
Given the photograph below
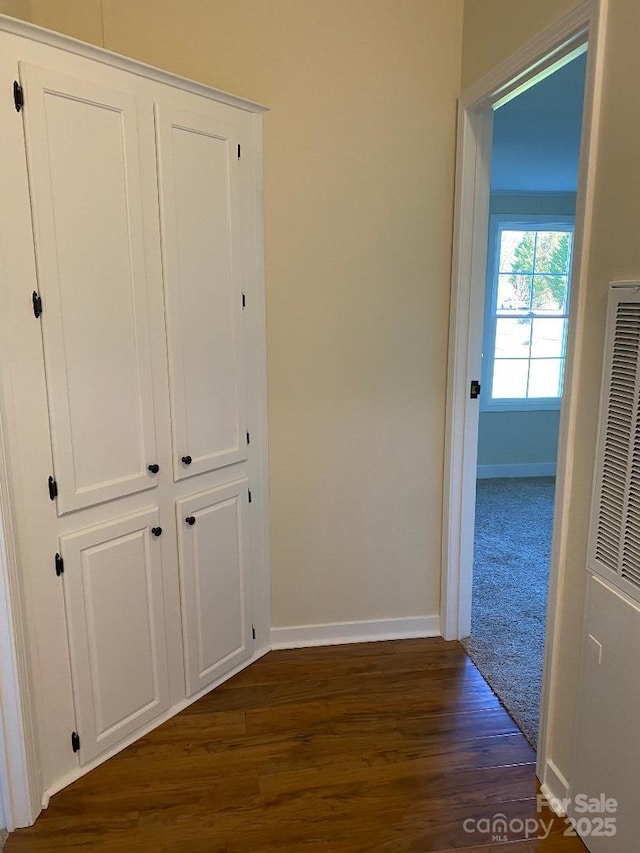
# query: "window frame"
x,y
499,222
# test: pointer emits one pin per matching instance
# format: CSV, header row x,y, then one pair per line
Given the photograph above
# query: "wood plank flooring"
x,y
398,747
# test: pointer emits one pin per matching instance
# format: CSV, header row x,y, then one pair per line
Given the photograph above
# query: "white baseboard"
x,y
517,469
555,788
338,633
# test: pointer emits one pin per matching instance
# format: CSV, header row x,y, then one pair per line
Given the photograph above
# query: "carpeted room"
x,y
510,580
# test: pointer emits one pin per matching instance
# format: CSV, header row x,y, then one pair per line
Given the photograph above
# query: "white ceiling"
x,y
536,137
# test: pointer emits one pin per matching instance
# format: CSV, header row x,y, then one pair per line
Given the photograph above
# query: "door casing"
x,y
538,58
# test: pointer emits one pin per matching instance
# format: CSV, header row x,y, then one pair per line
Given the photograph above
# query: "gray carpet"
x,y
510,578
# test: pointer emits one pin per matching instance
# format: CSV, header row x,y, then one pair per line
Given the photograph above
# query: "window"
x,y
526,312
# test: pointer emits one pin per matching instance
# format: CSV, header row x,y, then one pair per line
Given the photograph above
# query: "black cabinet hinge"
x,y
244,301
37,304
239,151
18,95
474,391
253,631
59,565
75,741
53,489
249,493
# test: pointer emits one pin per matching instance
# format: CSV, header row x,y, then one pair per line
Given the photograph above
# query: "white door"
x,y
199,200
83,162
114,600
212,532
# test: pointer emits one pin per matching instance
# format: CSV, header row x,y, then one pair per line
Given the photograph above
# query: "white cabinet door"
x,y
199,202
113,594
212,533
83,162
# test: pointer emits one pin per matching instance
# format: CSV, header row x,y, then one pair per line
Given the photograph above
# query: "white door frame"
x,y
537,58
20,801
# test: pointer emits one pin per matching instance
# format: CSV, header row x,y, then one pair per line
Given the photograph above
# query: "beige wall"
x,y
614,254
359,149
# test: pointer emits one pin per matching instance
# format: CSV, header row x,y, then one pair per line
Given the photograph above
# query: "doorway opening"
x,y
547,51
535,156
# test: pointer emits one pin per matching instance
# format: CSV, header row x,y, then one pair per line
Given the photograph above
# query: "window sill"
x,y
548,405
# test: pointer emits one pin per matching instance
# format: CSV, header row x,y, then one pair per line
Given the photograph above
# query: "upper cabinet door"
x,y
83,161
199,202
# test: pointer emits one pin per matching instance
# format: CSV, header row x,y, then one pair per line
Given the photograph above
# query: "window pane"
x,y
514,293
516,251
548,338
550,293
553,251
545,377
509,378
513,338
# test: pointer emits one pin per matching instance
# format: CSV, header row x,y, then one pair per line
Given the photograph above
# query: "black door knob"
x,y
153,468
157,531
191,520
187,460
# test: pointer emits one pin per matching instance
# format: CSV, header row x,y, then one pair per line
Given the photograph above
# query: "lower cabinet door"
x,y
212,536
115,615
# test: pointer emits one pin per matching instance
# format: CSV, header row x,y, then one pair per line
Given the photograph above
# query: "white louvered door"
x,y
614,548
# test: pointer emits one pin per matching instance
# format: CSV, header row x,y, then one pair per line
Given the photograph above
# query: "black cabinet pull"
x,y
157,531
153,468
191,520
187,460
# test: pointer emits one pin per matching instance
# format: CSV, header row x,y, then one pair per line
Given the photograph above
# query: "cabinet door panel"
x,y
83,160
197,165
113,592
215,582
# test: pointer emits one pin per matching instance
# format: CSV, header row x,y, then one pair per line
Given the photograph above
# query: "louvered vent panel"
x,y
614,506
630,569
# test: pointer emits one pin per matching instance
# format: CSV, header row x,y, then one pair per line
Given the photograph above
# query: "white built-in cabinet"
x,y
133,390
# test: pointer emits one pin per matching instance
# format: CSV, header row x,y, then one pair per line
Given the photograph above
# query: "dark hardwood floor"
x,y
396,746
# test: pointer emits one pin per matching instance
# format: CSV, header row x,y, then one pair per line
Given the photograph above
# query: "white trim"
x,y
550,47
261,542
339,633
544,52
469,265
517,469
539,404
18,785
554,787
575,345
108,57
